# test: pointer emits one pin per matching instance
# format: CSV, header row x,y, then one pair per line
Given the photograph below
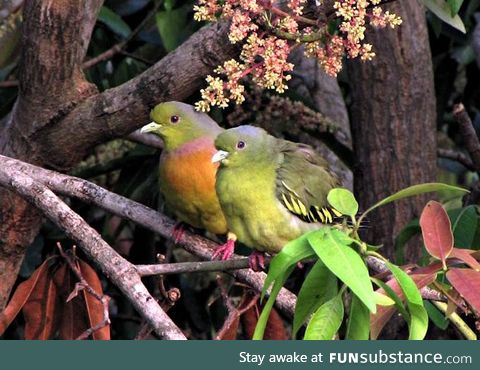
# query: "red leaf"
x,y
41,309
94,306
467,283
230,327
465,255
275,330
20,297
436,231
384,313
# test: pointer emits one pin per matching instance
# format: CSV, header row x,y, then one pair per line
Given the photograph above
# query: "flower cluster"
x,y
269,32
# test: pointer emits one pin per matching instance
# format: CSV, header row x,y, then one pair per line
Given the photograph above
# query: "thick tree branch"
x,y
119,111
141,215
121,272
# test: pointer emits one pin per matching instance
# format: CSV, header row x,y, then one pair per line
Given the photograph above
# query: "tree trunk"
x,y
393,123
59,116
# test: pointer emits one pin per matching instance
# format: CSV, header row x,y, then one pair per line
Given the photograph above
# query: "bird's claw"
x,y
225,251
178,232
256,261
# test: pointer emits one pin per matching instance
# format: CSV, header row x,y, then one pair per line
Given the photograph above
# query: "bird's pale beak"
x,y
219,156
152,126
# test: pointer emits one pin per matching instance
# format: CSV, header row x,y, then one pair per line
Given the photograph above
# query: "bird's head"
x,y
178,123
240,145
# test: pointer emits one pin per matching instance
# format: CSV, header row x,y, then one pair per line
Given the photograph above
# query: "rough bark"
x,y
59,116
393,123
51,82
138,213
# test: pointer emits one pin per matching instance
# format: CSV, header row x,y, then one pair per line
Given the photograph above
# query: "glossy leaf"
x,y
171,26
415,190
319,286
409,231
467,283
263,319
443,11
114,22
343,201
455,6
436,231
383,300
437,317
464,226
393,290
331,246
418,323
358,327
326,320
465,255
295,251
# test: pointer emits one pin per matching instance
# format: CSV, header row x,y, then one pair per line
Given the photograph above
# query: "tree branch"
x,y
141,215
120,110
121,272
182,267
456,156
470,137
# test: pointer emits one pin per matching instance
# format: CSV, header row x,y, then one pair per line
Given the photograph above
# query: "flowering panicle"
x,y
269,32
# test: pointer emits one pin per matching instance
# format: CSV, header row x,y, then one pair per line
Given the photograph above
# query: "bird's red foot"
x,y
225,251
178,231
256,261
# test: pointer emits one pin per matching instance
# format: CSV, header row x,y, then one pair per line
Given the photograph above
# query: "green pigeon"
x,y
186,172
271,190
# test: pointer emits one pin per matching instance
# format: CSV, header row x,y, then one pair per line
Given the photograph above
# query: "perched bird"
x,y
186,172
271,190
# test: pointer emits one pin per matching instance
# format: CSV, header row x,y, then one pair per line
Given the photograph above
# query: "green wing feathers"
x,y
303,183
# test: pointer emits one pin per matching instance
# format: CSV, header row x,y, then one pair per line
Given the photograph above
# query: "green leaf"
x,y
343,201
394,297
455,6
295,251
263,318
414,190
326,320
418,323
331,246
383,300
464,227
171,26
358,327
319,286
436,316
443,11
114,22
410,230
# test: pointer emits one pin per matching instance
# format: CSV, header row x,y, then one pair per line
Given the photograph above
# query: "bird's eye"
x,y
241,145
174,119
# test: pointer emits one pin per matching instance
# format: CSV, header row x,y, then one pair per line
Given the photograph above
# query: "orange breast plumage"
x,y
187,181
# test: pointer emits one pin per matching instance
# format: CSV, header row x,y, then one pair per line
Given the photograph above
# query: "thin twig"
x,y
472,144
119,47
121,272
107,54
457,321
9,83
102,298
144,216
379,266
183,267
456,156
